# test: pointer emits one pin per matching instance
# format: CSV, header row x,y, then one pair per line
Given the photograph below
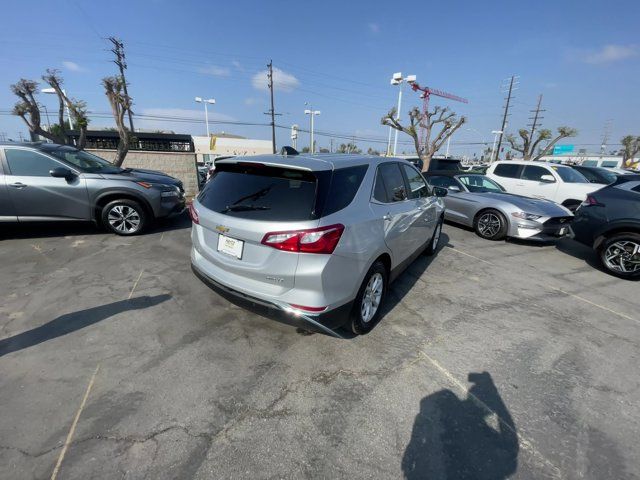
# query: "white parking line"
x,y
135,284
525,444
72,430
469,255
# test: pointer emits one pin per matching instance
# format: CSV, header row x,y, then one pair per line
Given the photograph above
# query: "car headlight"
x,y
170,191
526,216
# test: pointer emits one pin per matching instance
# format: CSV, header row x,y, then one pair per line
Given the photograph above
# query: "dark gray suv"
x,y
49,182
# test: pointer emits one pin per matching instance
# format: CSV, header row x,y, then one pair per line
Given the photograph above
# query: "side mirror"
x,y
440,192
454,188
547,179
62,172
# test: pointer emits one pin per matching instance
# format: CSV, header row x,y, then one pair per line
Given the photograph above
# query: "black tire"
x,y
134,215
616,253
360,325
432,247
490,224
571,205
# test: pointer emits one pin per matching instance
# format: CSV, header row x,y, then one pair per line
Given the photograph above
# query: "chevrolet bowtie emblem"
x,y
222,229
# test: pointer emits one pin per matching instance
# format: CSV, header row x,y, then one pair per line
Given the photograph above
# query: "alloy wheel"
x,y
623,256
489,225
124,218
372,297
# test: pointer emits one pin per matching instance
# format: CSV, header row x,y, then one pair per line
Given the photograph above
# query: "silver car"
x,y
318,237
479,202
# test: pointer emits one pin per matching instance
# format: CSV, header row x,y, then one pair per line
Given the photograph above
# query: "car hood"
x,y
143,175
537,206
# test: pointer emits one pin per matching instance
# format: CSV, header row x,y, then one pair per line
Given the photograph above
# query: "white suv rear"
x,y
558,183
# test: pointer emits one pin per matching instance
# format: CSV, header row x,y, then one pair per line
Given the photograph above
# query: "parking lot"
x,y
493,360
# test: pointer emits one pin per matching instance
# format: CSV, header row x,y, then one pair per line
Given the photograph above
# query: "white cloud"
x,y
193,119
374,27
237,65
216,71
610,53
283,81
73,66
250,101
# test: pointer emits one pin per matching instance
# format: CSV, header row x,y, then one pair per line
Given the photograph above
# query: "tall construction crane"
x,y
425,95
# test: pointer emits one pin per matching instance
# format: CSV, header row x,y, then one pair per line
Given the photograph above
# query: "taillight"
x,y
308,309
590,201
193,213
314,240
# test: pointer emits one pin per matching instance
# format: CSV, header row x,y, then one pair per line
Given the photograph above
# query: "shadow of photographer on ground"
x,y
474,438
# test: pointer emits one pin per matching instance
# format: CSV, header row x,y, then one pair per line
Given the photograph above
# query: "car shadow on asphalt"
x,y
472,438
581,252
64,229
71,322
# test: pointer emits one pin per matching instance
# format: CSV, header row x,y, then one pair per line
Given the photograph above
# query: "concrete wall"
x,y
181,165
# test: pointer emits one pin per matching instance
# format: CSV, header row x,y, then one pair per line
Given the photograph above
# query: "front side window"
x,y
534,173
479,184
569,175
507,170
27,163
417,186
395,189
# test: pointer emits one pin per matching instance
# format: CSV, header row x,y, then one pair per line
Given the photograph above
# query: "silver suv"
x,y
318,237
49,182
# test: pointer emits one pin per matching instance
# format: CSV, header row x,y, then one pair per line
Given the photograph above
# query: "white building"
x,y
590,160
222,144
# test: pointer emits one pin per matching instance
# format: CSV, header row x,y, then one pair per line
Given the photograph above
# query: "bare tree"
x,y
120,104
529,149
348,148
631,147
27,109
77,108
430,120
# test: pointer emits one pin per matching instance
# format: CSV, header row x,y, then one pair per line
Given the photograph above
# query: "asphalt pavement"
x,y
493,360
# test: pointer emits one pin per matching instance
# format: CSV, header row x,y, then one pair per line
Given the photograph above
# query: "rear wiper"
x,y
243,208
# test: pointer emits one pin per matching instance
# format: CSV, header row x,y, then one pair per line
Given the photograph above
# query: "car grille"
x,y
558,222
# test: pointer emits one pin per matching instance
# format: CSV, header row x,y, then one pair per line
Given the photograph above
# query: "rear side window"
x,y
590,163
534,173
26,163
610,164
507,170
345,182
393,181
259,192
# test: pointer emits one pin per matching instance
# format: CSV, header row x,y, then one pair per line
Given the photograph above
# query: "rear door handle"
x,y
17,185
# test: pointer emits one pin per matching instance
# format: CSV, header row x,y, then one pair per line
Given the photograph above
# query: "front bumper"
x,y
550,230
170,207
325,322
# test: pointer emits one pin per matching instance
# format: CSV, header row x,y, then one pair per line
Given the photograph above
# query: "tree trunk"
x,y
123,149
82,139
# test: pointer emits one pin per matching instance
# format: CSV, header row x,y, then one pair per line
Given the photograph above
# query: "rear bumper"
x,y
325,322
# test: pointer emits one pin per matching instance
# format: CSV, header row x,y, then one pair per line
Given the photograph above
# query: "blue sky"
x,y
583,56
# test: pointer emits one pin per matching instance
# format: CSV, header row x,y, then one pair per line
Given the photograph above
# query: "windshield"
x,y
570,175
479,183
84,161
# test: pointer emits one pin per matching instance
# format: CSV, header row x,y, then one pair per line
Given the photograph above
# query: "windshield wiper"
x,y
243,208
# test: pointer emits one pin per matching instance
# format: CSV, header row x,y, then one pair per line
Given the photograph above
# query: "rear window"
x,y
444,165
258,192
507,170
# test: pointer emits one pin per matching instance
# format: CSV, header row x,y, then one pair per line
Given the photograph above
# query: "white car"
x,y
558,183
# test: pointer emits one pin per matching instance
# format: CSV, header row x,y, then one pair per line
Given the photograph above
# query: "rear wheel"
x,y
620,255
124,217
491,224
435,239
367,306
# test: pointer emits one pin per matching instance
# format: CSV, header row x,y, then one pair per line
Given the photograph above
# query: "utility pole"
x,y
506,114
536,118
118,50
272,111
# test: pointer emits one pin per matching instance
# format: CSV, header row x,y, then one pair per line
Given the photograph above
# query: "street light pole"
x,y
397,79
64,92
210,101
312,113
